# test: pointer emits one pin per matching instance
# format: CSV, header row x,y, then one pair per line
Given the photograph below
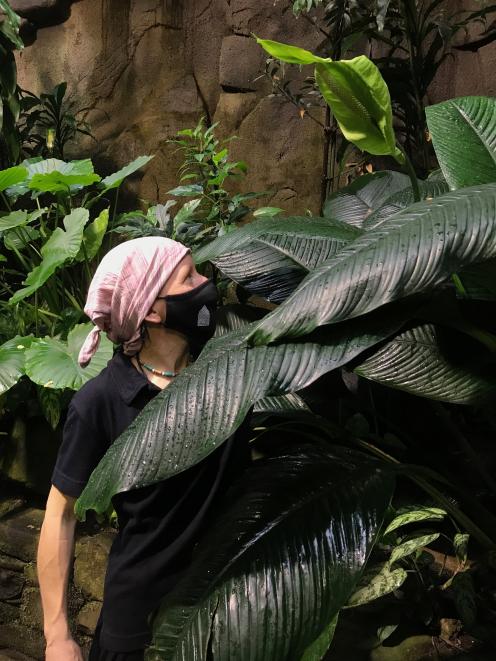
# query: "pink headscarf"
x,y
124,288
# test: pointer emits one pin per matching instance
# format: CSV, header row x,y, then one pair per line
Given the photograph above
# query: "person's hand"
x,y
63,650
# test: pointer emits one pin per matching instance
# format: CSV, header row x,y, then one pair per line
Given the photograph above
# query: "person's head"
x,y
131,289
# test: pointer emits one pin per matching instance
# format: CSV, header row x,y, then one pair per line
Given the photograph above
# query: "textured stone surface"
x,y
30,575
31,610
19,533
27,641
91,562
88,616
154,67
12,655
29,453
241,63
11,584
8,613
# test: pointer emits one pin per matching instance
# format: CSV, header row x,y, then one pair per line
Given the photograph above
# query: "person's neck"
x,y
165,350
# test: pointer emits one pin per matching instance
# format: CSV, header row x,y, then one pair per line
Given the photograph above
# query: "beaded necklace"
x,y
167,373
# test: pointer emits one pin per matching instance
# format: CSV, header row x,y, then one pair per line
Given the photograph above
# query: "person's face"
x,y
183,278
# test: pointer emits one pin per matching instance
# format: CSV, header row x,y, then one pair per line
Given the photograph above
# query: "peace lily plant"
x,y
376,286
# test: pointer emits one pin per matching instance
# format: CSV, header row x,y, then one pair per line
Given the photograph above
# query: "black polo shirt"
x,y
158,524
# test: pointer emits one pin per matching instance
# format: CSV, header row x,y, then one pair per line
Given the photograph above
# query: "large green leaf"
x,y
115,180
60,247
434,362
356,93
282,557
54,176
52,363
354,203
93,236
12,176
270,257
12,361
359,99
208,401
464,137
410,252
403,199
19,219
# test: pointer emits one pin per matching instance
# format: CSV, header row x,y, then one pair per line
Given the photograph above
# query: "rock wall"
x,y
148,68
21,616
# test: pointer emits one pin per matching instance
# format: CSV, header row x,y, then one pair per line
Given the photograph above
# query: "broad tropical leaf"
x,y
410,252
282,561
403,199
356,93
60,247
377,581
115,180
233,317
426,361
12,361
56,176
464,138
269,257
208,401
18,219
359,99
354,203
52,363
12,176
93,237
282,404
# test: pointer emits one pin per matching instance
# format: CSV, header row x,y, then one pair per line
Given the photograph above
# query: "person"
x,y
148,297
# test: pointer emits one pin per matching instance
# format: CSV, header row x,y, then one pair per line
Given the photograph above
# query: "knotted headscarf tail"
x,y
124,288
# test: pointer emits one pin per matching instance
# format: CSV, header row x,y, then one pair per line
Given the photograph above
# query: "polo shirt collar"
x,y
128,381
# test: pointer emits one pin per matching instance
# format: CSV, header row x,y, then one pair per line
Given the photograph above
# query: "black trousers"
x,y
99,654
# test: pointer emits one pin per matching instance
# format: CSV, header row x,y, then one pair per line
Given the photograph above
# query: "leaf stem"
x,y
411,173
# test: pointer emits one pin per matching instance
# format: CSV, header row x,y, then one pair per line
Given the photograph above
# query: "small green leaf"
x,y
414,516
186,191
115,180
465,598
410,546
290,54
376,582
460,544
267,211
51,405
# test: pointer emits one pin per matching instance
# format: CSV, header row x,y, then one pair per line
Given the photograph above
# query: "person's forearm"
x,y
54,561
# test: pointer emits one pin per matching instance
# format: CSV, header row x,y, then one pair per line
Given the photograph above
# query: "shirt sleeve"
x,y
79,454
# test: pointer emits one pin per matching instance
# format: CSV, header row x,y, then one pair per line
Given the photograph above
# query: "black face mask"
x,y
193,314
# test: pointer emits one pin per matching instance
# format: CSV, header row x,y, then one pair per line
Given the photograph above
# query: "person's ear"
x,y
153,316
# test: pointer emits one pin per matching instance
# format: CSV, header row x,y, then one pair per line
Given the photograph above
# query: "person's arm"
x,y
54,562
